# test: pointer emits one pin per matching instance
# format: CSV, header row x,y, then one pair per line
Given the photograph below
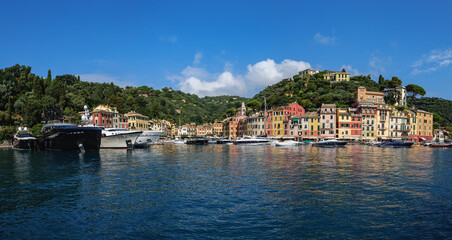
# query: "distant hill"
x,y
442,107
312,91
27,98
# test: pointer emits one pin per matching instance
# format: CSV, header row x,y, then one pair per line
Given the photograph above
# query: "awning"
x,y
423,139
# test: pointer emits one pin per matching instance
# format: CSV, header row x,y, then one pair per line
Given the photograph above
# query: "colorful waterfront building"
x,y
280,118
103,116
218,128
230,126
182,130
137,121
369,120
328,121
349,123
256,124
310,126
383,113
399,126
191,129
201,130
421,123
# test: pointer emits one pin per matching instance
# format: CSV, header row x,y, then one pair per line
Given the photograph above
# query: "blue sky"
x,y
229,47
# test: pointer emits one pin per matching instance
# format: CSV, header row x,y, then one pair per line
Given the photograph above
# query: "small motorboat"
x,y
23,139
197,141
441,145
397,144
329,143
223,141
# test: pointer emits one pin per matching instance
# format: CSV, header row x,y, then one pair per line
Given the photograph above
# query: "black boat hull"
x,y
198,142
72,139
25,144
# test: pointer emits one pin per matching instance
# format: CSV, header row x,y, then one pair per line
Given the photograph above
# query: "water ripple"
x,y
227,191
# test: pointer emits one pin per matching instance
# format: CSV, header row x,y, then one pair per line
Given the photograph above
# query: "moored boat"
x,y
23,139
397,144
252,140
329,143
69,137
197,141
441,145
147,138
223,141
287,143
118,138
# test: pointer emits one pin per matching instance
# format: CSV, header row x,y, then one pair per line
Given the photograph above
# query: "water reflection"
x,y
184,191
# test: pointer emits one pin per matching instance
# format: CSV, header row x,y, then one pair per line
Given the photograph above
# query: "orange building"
x,y
362,95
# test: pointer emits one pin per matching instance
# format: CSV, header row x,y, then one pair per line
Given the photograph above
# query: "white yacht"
x,y
329,143
147,138
119,138
252,140
287,143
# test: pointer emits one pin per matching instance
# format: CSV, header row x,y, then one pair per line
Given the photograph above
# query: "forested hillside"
x,y
312,91
442,107
29,99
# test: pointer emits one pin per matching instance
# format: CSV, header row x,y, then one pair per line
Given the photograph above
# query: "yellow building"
x,y
344,122
278,122
421,126
369,121
217,128
137,121
336,76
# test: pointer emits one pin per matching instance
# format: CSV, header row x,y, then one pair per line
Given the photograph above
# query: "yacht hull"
x,y
119,141
72,139
147,138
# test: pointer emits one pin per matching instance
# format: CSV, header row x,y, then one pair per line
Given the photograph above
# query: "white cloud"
x,y
105,78
352,71
268,72
434,61
259,75
198,57
319,38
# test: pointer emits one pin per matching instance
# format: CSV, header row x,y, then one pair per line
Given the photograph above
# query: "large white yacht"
x,y
252,140
147,138
119,138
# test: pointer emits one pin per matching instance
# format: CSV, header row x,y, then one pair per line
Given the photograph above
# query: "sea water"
x,y
228,192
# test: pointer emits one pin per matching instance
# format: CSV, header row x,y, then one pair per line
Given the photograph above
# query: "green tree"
x,y
48,79
306,104
231,111
254,105
394,82
414,90
392,97
381,82
115,101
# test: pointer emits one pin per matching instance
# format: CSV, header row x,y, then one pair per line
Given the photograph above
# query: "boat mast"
x,y
265,114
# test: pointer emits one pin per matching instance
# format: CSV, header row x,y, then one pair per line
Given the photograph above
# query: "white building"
x,y
308,71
